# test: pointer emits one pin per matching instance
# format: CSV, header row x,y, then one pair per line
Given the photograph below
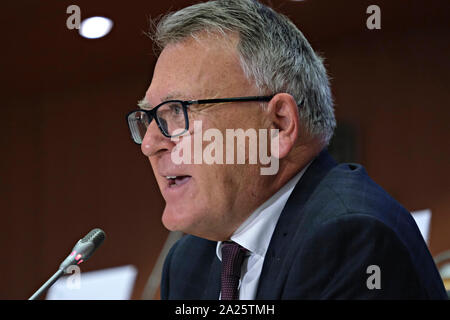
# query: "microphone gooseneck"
x,y
81,252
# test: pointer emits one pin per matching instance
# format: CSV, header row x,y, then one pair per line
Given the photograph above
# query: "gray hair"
x,y
272,51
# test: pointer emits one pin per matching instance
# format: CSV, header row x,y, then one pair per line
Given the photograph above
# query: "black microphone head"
x,y
97,236
84,248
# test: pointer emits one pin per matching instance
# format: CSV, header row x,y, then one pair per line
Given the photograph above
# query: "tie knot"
x,y
232,257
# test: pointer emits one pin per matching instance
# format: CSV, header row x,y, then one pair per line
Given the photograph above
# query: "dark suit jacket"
x,y
336,223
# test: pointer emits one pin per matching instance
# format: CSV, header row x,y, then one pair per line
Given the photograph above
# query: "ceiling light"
x,y
95,27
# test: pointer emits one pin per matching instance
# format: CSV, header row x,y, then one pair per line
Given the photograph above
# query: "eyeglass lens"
x,y
170,117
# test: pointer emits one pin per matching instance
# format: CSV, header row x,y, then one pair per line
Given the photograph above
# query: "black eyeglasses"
x,y
171,116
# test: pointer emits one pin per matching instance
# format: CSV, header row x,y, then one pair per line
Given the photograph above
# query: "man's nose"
x,y
154,141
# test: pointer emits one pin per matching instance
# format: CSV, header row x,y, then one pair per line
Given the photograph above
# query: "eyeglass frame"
x,y
151,114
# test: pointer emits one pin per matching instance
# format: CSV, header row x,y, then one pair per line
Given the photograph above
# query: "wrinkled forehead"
x,y
198,68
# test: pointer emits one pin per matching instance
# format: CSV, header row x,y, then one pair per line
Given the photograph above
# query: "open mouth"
x,y
175,181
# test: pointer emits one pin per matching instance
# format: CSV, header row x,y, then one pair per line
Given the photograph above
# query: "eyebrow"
x,y
144,104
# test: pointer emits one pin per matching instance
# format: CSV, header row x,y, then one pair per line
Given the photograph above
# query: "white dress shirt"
x,y
255,234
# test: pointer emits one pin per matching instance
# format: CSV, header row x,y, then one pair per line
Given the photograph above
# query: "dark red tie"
x,y
232,257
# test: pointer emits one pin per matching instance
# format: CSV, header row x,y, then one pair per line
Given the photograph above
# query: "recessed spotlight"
x,y
95,27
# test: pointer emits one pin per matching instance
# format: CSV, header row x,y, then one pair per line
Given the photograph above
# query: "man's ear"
x,y
283,113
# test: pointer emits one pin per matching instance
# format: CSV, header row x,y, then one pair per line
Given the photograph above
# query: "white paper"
x,y
423,220
106,284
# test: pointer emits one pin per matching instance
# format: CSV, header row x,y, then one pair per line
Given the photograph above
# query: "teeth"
x,y
171,177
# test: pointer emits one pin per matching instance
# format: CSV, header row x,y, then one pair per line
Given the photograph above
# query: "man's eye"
x,y
176,109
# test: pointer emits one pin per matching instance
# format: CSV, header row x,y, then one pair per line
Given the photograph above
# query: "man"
x,y
311,229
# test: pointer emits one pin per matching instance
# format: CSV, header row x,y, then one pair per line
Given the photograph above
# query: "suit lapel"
x,y
272,275
212,290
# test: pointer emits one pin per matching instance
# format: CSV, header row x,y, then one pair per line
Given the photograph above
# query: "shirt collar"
x,y
255,232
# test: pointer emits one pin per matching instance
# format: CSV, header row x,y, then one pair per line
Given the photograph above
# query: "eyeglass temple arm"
x,y
257,98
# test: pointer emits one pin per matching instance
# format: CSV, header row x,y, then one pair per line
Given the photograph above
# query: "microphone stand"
x,y
47,285
81,252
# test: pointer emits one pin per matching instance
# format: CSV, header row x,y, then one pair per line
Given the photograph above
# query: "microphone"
x,y
82,251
